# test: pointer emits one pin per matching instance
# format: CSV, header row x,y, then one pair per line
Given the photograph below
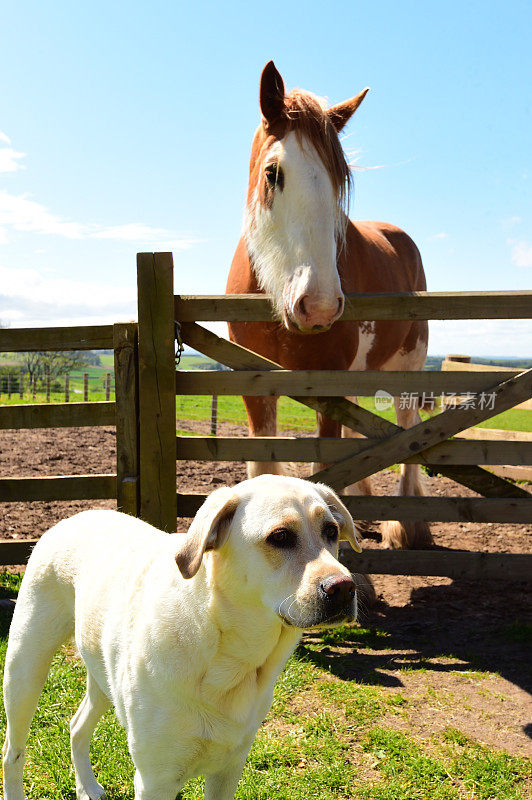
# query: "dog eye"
x,y
282,537
330,531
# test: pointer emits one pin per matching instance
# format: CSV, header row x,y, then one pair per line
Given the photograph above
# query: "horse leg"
x,y
407,534
262,418
363,487
329,428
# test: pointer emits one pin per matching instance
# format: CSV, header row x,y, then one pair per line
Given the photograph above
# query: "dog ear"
x,y
208,531
341,515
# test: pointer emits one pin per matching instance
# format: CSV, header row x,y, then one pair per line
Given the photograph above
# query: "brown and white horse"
x,y
299,246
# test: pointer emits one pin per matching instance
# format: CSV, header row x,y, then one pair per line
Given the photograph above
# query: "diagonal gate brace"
x,y
425,434
347,413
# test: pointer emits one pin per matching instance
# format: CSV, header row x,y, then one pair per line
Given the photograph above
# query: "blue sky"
x,y
127,127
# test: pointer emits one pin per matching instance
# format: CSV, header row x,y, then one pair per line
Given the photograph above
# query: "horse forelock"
x,y
306,116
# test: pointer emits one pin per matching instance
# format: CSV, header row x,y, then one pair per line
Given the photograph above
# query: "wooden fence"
x,y
123,412
24,383
431,443
146,421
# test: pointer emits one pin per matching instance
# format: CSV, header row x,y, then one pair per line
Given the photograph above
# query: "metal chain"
x,y
179,346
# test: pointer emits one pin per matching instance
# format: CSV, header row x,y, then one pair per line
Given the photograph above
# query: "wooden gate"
x,y
163,316
123,412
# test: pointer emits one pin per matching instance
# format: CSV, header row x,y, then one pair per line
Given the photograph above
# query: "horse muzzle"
x,y
309,314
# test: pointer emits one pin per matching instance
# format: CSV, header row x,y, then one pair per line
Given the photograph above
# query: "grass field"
x,y
292,415
325,737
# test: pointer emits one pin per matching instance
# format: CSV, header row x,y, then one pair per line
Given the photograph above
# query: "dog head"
x,y
274,542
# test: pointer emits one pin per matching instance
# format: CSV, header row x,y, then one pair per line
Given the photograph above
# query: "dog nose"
x,y
340,588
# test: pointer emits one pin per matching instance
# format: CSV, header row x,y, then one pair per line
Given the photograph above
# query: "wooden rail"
x,y
86,337
61,487
309,449
431,509
363,307
338,383
57,415
459,565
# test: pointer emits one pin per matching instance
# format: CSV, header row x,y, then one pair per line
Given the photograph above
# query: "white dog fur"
x,y
187,654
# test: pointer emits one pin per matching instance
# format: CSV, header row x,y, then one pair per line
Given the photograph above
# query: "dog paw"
x,y
96,793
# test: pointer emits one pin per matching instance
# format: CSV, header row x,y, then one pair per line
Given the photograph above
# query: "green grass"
x,y
294,416
323,738
516,419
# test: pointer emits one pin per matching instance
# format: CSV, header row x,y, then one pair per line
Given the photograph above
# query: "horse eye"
x,y
330,531
274,175
282,538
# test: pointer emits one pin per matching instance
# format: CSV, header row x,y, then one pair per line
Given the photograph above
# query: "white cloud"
x,y
139,232
28,298
491,337
521,254
9,160
436,236
510,222
22,214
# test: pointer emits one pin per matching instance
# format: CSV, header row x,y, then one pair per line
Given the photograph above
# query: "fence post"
x,y
157,410
125,344
34,388
67,388
48,387
85,387
214,414
9,386
108,375
21,384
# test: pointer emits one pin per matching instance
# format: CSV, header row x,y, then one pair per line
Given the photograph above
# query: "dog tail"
x,y
42,621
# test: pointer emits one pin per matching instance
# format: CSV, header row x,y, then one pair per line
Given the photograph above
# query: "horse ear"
x,y
208,531
271,93
342,113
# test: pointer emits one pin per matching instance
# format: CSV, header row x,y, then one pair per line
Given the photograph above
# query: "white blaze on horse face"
x,y
293,240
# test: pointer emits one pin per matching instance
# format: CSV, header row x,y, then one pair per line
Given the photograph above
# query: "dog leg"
x,y
94,704
40,625
156,786
222,785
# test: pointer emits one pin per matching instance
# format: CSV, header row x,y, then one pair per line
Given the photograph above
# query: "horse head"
x,y
296,206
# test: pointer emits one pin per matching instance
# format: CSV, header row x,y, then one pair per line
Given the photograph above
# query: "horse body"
x,y
299,245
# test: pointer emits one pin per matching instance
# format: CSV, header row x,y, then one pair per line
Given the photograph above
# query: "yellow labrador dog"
x,y
187,654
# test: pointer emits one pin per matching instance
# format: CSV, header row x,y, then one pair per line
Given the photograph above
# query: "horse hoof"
x,y
406,535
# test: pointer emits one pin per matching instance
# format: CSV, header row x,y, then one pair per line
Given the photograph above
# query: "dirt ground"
x,y
448,631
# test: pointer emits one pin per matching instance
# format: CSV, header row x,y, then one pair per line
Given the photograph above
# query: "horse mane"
x,y
307,117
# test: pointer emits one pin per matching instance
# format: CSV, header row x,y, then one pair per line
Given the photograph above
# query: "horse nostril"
x,y
340,306
300,306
